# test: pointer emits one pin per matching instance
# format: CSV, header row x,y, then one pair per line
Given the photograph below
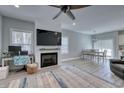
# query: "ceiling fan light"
x,y
17,6
74,24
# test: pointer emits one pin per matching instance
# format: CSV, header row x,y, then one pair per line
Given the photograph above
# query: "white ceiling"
x,y
90,20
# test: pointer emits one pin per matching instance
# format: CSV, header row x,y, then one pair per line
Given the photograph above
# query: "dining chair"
x,y
104,55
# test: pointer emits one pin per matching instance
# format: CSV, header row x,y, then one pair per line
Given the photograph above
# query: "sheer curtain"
x,y
104,45
23,39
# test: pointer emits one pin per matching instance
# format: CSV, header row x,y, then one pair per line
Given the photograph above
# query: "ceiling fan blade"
x,y
69,13
79,6
57,6
57,15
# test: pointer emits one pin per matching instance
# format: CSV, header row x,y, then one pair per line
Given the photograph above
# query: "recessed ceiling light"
x,y
74,24
17,6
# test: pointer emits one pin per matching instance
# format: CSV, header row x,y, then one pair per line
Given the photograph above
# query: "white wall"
x,y
48,25
0,35
76,43
8,23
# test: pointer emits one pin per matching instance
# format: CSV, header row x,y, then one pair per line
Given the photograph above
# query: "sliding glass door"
x,y
104,45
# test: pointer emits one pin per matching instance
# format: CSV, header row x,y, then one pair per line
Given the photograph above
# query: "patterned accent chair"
x,y
21,61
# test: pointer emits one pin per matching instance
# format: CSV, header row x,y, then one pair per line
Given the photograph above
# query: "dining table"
x,y
95,54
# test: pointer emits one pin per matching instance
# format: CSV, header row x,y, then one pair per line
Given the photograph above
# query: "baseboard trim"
x,y
69,59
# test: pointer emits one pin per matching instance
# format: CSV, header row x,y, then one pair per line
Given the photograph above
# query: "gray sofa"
x,y
117,67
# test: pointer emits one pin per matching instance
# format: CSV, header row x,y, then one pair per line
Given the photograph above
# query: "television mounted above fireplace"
x,y
48,38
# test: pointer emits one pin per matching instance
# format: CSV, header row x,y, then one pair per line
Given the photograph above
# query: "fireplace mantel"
x,y
46,49
49,49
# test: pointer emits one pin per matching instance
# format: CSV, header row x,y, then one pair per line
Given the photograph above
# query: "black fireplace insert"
x,y
48,59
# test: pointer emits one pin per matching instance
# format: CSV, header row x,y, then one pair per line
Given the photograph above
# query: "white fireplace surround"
x,y
46,49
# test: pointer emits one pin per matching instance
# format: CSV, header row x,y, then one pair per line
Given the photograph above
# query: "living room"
x,y
61,50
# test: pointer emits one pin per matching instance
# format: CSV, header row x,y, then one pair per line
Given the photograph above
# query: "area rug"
x,y
63,77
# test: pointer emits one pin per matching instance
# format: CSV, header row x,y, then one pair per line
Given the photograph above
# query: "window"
x,y
23,39
64,47
104,45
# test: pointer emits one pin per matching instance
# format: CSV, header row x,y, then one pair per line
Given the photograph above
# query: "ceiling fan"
x,y
67,10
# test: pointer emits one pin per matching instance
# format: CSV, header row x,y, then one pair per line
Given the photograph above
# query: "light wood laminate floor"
x,y
70,74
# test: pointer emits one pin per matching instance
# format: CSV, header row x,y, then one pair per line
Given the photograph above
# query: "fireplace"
x,y
48,59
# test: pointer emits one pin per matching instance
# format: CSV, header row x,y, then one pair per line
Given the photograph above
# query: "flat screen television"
x,y
49,38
